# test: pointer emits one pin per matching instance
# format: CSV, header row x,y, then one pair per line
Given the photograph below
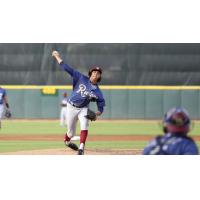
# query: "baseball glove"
x,y
91,115
8,114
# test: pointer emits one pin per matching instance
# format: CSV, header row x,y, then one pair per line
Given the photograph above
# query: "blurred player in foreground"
x,y
85,90
4,100
175,141
63,112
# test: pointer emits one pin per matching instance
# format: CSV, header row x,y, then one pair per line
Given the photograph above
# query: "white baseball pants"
x,y
73,115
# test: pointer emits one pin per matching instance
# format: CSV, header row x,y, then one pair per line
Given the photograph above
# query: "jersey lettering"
x,y
84,93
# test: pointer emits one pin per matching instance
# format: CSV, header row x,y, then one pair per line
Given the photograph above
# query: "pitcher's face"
x,y
95,77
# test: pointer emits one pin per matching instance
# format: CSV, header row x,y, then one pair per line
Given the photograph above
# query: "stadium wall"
x,y
122,102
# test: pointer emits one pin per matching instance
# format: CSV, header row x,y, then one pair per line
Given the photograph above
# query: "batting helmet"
x,y
95,68
177,120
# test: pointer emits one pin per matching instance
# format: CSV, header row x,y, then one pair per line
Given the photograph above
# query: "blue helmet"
x,y
177,120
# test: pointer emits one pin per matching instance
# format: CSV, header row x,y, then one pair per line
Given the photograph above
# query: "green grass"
x,y
12,146
96,128
31,127
36,127
117,145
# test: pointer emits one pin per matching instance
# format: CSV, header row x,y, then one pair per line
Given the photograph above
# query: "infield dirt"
x,y
67,151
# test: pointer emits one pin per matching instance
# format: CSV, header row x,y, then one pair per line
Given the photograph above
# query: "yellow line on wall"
x,y
35,87
149,87
105,87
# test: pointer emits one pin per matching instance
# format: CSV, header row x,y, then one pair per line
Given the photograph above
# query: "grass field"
x,y
117,127
34,128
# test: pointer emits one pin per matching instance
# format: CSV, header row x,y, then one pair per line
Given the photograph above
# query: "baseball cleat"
x,y
80,152
72,146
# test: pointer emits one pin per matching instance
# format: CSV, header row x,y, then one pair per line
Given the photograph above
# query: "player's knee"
x,y
84,128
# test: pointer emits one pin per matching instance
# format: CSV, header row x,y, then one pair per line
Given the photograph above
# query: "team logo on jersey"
x,y
84,93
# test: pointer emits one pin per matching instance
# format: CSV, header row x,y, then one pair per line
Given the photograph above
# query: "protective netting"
x,y
123,64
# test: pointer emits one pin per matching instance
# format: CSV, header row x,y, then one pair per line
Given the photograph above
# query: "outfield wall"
x,y
122,102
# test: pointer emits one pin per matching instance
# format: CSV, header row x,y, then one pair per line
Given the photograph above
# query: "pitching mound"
x,y
66,151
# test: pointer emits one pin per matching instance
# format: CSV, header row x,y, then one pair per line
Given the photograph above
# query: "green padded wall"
x,y
190,100
32,104
171,98
136,104
153,104
16,101
120,104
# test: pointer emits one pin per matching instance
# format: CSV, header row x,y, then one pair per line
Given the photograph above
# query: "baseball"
x,y
55,53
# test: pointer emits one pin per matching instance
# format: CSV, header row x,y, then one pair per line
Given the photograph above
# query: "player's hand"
x,y
98,113
55,54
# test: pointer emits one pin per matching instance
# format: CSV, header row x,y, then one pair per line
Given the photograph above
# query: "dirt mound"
x,y
65,151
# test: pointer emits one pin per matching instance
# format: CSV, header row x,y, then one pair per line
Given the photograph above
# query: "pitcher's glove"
x,y
8,114
91,115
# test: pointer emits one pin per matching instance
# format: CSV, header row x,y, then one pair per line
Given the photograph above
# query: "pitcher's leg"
x,y
84,123
70,133
71,125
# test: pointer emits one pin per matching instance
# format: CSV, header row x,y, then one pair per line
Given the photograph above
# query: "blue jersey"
x,y
2,95
83,90
171,144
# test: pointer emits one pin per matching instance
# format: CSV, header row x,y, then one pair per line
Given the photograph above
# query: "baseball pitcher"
x,y
85,90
